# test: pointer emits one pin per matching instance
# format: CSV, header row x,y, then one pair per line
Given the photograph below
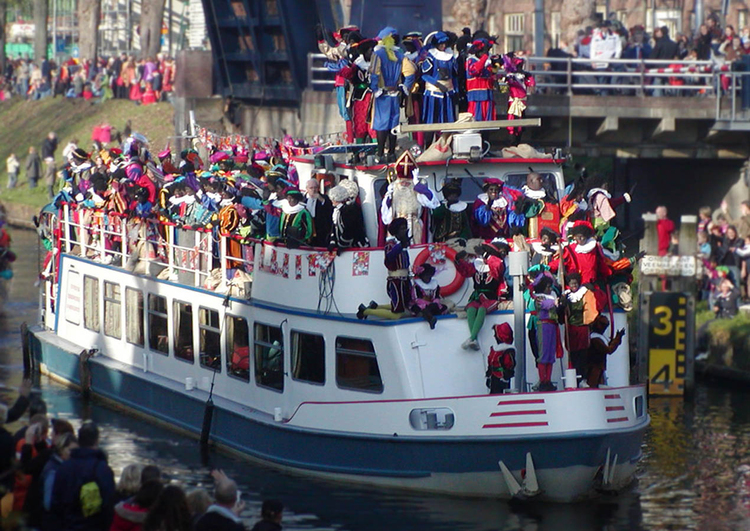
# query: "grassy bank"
x,y
26,123
729,339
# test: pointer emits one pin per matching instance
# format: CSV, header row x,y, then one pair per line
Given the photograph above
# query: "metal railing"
x,y
625,77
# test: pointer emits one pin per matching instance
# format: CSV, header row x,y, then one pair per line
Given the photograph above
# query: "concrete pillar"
x,y
688,235
650,240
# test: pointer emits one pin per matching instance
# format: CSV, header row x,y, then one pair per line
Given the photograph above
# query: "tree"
x,y
89,14
576,15
41,13
152,14
3,18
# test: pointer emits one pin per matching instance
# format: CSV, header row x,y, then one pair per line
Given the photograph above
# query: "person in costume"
x,y
321,210
600,347
586,257
426,300
501,361
533,201
334,47
438,70
412,44
406,196
480,81
580,312
519,82
490,211
347,227
359,100
451,219
546,249
296,222
488,273
228,222
397,284
603,205
387,68
550,346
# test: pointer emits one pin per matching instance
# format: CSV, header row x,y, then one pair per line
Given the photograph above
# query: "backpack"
x,y
90,496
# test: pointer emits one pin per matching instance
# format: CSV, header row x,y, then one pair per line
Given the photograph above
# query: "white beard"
x,y
405,201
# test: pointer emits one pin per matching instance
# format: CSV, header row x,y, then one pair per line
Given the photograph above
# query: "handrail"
x,y
573,76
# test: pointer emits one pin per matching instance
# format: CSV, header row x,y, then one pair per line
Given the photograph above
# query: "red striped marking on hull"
x,y
615,408
517,402
516,425
611,396
528,412
620,419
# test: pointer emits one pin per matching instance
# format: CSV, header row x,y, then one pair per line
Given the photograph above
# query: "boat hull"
x,y
568,465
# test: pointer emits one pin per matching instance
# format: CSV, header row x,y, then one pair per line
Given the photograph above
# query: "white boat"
x,y
389,403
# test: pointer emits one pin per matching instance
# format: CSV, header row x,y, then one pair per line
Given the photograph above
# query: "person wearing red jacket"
x,y
501,362
664,229
480,81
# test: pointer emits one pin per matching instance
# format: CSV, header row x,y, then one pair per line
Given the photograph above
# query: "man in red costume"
x,y
585,257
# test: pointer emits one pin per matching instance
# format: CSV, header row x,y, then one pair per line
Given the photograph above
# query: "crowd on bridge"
x,y
144,81
54,478
610,39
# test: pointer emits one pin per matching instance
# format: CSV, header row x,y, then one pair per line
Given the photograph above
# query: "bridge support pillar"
x,y
609,124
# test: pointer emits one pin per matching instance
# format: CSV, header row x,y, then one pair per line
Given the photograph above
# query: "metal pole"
x,y
698,15
170,28
54,30
518,266
539,28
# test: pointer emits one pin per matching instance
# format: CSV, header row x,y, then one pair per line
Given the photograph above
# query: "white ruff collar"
x,y
575,296
594,191
600,337
287,209
483,198
481,266
457,207
441,56
586,247
432,284
541,249
534,194
362,63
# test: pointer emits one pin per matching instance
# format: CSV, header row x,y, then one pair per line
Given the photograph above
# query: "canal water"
x,y
691,477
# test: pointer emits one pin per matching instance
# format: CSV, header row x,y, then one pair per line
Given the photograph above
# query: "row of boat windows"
x,y
355,359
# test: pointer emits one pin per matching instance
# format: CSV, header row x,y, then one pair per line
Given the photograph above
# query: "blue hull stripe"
x,y
396,456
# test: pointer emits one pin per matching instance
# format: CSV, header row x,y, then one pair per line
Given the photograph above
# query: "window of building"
x,y
112,309
91,303
158,340
134,316
741,20
514,31
554,29
671,18
210,339
356,365
184,348
308,357
269,356
238,348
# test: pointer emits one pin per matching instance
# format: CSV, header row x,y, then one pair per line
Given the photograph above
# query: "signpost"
x,y
667,341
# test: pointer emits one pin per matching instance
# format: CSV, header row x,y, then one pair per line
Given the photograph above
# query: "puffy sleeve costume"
x,y
438,70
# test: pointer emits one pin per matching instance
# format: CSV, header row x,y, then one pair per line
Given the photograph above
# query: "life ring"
x,y
450,254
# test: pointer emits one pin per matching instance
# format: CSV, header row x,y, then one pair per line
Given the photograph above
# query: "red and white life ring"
x,y
450,254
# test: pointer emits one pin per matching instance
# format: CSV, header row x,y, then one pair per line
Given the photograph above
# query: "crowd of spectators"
x,y
53,477
724,47
146,80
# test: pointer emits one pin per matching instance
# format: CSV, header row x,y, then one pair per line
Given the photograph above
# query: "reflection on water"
x,y
690,477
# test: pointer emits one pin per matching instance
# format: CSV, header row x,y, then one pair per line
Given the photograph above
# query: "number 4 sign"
x,y
667,324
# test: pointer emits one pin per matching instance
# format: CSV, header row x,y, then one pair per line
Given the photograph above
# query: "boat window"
x,y
269,356
210,339
380,186
308,357
73,298
112,308
158,340
356,365
438,418
91,303
183,331
134,316
238,348
549,182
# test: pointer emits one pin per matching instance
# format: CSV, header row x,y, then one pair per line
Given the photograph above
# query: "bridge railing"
x,y
623,77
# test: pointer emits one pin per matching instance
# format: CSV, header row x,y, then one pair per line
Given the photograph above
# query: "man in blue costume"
x,y
387,67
